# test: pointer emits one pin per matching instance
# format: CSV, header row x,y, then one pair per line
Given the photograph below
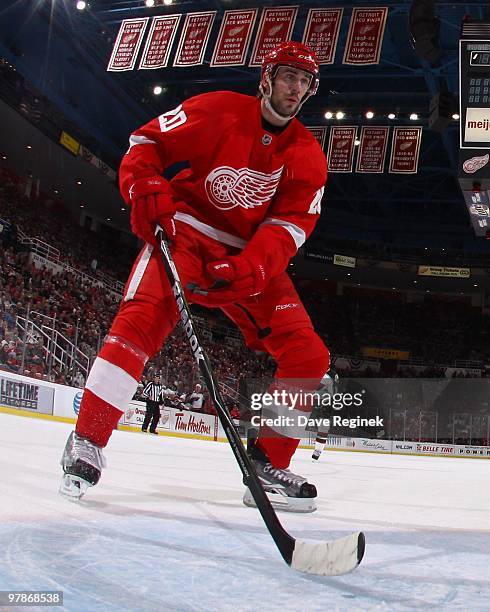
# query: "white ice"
x,y
165,529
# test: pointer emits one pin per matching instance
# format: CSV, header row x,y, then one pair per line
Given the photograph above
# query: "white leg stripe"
x,y
111,383
138,273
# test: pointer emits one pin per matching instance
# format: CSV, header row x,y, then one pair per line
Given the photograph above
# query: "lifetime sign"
x,y
18,394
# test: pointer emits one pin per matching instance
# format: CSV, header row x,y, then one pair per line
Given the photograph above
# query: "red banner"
x,y
127,45
341,148
159,42
372,149
322,32
405,150
234,38
365,37
194,38
276,26
319,133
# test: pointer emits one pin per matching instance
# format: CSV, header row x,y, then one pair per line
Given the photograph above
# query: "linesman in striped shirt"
x,y
153,393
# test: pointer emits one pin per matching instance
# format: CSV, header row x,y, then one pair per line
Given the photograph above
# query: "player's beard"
x,y
283,109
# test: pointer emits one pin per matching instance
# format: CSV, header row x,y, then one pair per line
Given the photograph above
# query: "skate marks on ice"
x,y
141,541
135,565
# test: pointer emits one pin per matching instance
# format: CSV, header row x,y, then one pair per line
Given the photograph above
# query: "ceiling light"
x,y
475,285
81,5
150,3
392,116
339,115
455,116
79,182
357,142
414,117
82,205
369,115
167,2
28,146
157,90
108,219
328,115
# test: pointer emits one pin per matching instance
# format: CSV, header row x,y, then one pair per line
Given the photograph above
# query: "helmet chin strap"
x,y
268,102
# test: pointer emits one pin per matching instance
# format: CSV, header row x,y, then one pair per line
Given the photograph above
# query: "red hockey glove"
x,y
151,204
232,280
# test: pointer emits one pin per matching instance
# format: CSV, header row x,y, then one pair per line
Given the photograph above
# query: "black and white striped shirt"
x,y
153,392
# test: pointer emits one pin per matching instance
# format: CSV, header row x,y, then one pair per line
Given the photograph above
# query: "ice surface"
x,y
165,529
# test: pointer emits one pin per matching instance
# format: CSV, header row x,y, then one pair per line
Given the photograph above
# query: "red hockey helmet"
x,y
293,54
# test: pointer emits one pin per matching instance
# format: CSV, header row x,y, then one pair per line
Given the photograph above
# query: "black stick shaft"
x,y
283,540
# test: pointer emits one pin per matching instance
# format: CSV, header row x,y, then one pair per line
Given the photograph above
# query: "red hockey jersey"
x,y
244,184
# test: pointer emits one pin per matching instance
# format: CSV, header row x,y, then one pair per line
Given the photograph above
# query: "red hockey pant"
x,y
148,314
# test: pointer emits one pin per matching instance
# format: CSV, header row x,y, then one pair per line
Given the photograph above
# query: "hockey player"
x,y
329,384
248,200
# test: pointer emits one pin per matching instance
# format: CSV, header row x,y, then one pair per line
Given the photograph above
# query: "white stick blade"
x,y
329,558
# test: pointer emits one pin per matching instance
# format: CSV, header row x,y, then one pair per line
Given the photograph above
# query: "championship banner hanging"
x,y
405,150
127,45
234,38
322,32
194,38
159,42
372,149
365,37
341,148
276,26
319,133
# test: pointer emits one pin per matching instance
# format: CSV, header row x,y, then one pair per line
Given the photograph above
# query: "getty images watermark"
x,y
296,411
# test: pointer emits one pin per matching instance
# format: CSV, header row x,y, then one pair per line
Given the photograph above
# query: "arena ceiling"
x,y
63,52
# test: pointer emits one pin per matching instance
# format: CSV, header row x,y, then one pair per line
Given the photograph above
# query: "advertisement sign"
x,y
174,420
477,126
383,353
344,260
444,271
25,393
374,446
478,206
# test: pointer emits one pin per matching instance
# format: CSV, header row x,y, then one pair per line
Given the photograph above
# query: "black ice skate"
x,y
285,490
82,464
316,454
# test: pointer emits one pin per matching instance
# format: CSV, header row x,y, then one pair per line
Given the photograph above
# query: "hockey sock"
x,y
110,386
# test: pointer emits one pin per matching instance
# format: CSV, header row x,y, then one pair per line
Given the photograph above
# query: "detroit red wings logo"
x,y
227,187
475,163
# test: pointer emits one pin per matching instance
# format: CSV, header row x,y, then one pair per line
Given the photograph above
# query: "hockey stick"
x,y
322,558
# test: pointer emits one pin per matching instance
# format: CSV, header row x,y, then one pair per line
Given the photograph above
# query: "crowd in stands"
x,y
434,332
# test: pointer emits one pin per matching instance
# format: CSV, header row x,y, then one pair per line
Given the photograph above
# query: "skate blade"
x,y
73,487
284,503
